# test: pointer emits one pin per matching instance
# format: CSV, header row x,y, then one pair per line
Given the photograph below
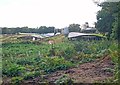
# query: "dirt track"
x,y
99,71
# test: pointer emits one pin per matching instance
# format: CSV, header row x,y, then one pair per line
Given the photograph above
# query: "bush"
x,y
13,70
31,75
25,61
16,80
51,64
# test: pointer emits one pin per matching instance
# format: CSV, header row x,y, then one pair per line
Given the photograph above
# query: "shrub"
x,y
13,70
51,64
31,75
25,61
16,80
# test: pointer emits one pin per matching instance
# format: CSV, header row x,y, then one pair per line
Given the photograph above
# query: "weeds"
x,y
26,59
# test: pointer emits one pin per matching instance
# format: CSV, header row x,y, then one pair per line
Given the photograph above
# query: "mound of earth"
x,y
91,72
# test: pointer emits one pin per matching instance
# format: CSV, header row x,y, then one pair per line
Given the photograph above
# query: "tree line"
x,y
42,29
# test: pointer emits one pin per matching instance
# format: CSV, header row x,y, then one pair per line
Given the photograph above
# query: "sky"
x,y
57,13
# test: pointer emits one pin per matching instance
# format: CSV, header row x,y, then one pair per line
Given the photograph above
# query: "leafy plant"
x,y
64,80
16,80
13,70
31,75
55,63
114,53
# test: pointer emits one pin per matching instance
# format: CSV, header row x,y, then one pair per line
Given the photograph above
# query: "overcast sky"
x,y
35,13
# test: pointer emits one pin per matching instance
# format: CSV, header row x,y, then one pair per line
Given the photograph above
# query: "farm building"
x,y
31,36
35,36
84,36
65,31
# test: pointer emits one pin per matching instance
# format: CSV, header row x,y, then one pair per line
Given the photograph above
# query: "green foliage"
x,y
31,75
24,62
32,56
74,28
64,80
65,49
31,49
41,29
51,64
13,70
108,69
114,34
16,80
114,53
27,60
107,19
91,47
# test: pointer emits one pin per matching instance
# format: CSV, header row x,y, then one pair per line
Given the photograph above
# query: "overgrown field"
x,y
25,60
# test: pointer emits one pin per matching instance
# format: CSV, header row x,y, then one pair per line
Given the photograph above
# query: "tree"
x,y
74,28
107,18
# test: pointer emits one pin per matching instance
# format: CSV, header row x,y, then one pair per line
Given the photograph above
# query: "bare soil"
x,y
97,71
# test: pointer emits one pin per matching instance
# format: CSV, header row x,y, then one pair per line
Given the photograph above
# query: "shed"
x,y
30,36
84,36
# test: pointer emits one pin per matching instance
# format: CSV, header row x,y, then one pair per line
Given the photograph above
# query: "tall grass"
x,y
114,53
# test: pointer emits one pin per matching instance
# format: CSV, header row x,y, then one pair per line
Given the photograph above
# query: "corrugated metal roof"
x,y
76,34
38,36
